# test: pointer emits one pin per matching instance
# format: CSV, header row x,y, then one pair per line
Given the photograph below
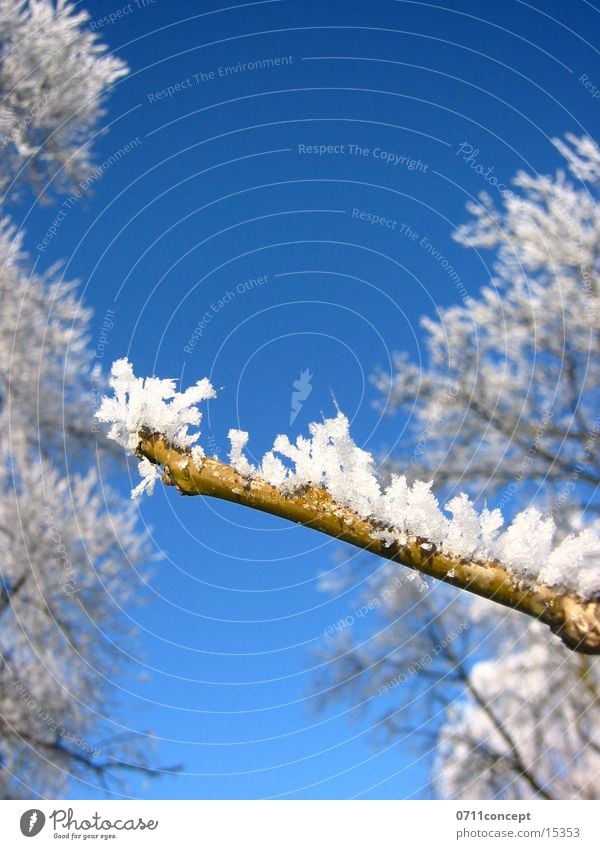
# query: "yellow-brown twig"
x,y
575,620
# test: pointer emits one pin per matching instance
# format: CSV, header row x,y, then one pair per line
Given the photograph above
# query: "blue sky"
x,y
213,185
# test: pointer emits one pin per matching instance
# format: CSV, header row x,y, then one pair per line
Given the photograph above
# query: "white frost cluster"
x,y
155,404
331,459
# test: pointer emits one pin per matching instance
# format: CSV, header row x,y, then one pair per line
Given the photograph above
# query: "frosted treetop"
x,y
330,459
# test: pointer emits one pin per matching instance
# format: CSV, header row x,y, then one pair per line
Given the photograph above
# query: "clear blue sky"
x,y
219,189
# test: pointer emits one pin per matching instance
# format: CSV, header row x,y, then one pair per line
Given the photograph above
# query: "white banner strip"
x,y
300,824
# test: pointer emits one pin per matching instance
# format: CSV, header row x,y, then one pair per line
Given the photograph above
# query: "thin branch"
x,y
514,756
7,593
575,620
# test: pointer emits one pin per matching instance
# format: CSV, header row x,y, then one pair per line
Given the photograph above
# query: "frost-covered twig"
x,y
328,483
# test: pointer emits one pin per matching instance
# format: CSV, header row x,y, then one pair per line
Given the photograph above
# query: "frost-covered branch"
x,y
329,484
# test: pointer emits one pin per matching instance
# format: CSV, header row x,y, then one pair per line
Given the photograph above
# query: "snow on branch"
x,y
152,404
329,483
